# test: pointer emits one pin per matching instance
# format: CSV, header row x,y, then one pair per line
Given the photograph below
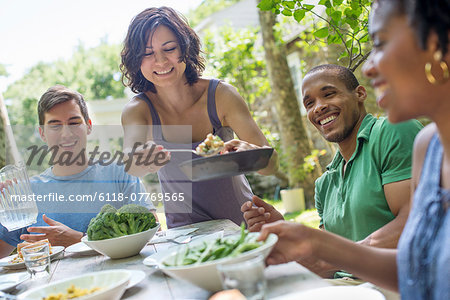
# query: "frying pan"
x,y
226,165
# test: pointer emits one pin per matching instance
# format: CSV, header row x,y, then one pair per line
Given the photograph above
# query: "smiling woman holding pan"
x,y
161,62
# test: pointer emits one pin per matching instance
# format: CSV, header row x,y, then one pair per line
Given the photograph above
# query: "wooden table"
x,y
282,279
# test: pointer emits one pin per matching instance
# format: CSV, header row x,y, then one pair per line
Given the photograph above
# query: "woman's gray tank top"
x,y
205,200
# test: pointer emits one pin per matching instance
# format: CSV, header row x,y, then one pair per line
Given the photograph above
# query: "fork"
x,y
186,240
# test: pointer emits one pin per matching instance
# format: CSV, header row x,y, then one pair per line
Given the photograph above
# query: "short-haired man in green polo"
x,y
364,194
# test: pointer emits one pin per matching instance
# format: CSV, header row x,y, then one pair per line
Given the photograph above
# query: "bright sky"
x,y
46,30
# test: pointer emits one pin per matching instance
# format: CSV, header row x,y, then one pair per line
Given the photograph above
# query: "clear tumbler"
x,y
37,260
246,276
17,206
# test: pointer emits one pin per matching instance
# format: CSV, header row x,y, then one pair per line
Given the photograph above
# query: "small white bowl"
x,y
205,275
123,246
112,283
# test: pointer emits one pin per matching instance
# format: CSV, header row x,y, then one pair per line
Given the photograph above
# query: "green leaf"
x,y
364,39
354,4
321,33
286,12
266,4
357,12
326,3
289,4
352,22
348,12
299,15
349,43
336,16
308,6
343,55
337,2
333,39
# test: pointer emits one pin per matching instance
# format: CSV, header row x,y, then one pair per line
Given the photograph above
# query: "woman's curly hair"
x,y
136,40
427,15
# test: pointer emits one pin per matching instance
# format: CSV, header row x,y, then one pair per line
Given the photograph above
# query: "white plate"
x,y
4,262
81,248
335,293
112,283
136,277
8,281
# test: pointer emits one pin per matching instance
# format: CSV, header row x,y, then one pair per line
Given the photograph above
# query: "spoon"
x,y
211,152
180,240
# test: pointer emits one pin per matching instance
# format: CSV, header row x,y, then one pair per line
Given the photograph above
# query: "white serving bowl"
x,y
112,283
205,275
123,246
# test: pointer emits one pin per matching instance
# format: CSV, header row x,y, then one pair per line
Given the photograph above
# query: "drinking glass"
x,y
246,276
17,206
37,260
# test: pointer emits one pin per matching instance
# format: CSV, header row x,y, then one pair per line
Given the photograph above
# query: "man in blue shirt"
x,y
84,187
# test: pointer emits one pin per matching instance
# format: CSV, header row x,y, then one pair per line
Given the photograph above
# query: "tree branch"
x,y
360,61
337,30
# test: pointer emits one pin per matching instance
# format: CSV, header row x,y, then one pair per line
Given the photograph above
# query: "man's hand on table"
x,y
57,233
260,214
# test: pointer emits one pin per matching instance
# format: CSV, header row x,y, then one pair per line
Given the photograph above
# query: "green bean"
x,y
205,253
244,248
217,249
244,233
218,252
181,255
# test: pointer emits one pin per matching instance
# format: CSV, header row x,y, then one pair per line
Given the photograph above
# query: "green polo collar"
x,y
363,133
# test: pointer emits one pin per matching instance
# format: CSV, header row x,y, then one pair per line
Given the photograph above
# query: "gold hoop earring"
x,y
445,73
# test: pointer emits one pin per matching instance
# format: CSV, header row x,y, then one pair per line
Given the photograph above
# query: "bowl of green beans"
x,y
197,262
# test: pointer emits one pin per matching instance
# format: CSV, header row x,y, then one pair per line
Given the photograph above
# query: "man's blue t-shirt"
x,y
74,200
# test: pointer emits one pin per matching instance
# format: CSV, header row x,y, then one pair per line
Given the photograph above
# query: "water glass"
x,y
17,207
246,276
37,260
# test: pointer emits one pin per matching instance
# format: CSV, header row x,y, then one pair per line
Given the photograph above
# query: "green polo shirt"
x,y
353,204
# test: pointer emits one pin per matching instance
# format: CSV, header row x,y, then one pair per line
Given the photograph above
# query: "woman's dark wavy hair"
x,y
136,40
425,16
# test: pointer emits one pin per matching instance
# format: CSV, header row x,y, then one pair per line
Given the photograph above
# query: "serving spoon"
x,y
211,152
213,142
